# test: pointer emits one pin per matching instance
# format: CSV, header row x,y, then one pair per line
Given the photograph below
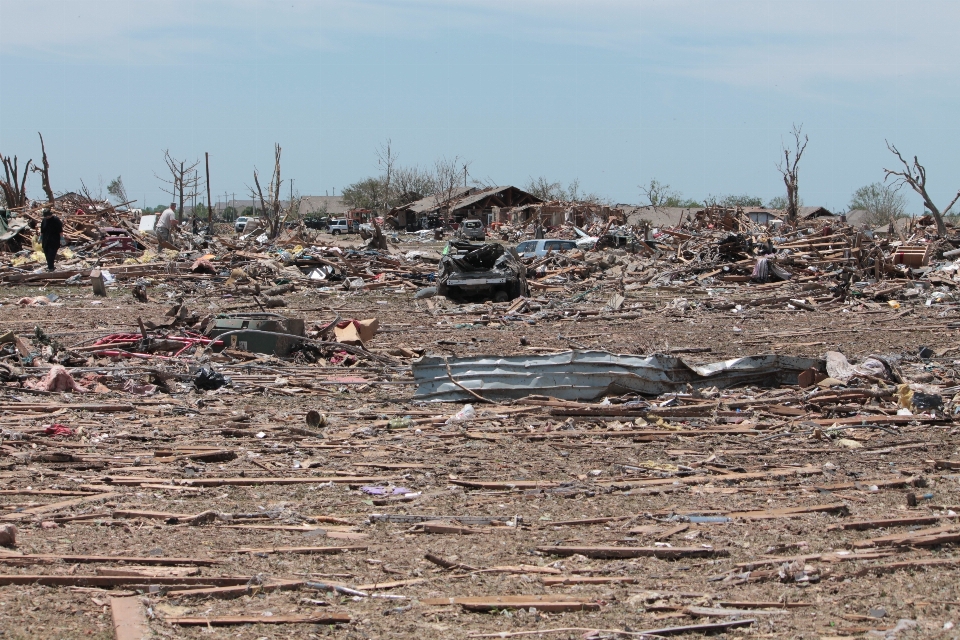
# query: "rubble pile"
x,y
714,427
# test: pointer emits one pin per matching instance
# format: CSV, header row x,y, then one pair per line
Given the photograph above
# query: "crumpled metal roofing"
x,y
588,375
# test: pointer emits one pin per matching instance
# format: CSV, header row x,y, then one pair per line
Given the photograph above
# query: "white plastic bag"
x,y
465,414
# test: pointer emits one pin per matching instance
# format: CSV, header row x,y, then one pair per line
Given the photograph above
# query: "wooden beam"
x,y
129,621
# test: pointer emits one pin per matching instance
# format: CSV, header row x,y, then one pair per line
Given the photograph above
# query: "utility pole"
x,y
193,212
209,208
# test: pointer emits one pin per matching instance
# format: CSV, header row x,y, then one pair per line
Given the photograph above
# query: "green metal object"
x,y
292,329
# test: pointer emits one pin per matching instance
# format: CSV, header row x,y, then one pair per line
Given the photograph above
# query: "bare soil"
x,y
845,596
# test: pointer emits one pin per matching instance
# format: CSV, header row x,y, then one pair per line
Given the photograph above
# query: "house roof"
x,y
314,204
812,212
777,213
466,198
494,192
430,203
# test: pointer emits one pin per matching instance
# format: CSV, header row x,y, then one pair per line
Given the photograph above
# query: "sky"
x,y
698,94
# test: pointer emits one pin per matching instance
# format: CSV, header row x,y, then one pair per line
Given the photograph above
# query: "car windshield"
x,y
525,246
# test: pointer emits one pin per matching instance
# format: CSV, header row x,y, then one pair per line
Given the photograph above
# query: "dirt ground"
x,y
809,578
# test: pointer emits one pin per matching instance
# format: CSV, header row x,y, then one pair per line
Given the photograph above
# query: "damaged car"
x,y
472,272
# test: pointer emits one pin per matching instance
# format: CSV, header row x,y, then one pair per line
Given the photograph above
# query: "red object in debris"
x,y
117,240
58,430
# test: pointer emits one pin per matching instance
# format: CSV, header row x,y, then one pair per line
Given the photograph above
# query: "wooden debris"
x,y
635,552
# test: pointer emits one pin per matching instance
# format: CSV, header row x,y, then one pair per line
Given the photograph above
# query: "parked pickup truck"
x,y
338,226
540,248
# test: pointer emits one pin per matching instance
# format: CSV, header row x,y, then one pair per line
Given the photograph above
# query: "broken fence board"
x,y
251,481
925,563
238,590
511,602
789,512
304,550
635,552
562,580
56,506
129,619
114,581
160,561
391,585
888,523
225,621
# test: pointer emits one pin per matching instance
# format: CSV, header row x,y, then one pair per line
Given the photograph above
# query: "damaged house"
x,y
489,205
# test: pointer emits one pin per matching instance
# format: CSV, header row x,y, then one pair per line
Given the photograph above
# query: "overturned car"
x,y
471,272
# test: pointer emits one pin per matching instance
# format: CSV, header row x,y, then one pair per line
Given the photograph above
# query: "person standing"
x,y
167,223
51,232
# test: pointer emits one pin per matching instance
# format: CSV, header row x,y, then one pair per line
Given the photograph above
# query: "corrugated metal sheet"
x,y
588,375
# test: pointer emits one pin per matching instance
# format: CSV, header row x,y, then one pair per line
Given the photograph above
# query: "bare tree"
x,y
657,194
788,169
447,177
412,183
544,189
184,181
14,186
915,176
44,171
270,207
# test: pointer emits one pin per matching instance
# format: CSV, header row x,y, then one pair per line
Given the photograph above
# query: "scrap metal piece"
x,y
588,375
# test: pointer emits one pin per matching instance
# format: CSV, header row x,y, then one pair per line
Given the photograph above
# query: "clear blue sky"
x,y
699,94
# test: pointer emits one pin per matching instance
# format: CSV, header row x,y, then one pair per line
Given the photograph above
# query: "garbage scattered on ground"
x,y
680,429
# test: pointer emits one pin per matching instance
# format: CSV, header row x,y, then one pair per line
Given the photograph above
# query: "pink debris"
x,y
57,379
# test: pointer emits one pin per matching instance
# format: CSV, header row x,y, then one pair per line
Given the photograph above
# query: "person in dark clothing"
x,y
51,229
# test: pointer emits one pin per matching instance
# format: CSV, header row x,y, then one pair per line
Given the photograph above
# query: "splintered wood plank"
x,y
452,527
919,538
114,581
319,530
305,550
374,586
148,572
56,506
225,621
237,591
927,563
238,482
635,552
887,523
672,531
129,620
153,515
547,602
789,512
765,605
552,607
394,465
880,483
520,568
562,580
573,523
40,558
509,484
